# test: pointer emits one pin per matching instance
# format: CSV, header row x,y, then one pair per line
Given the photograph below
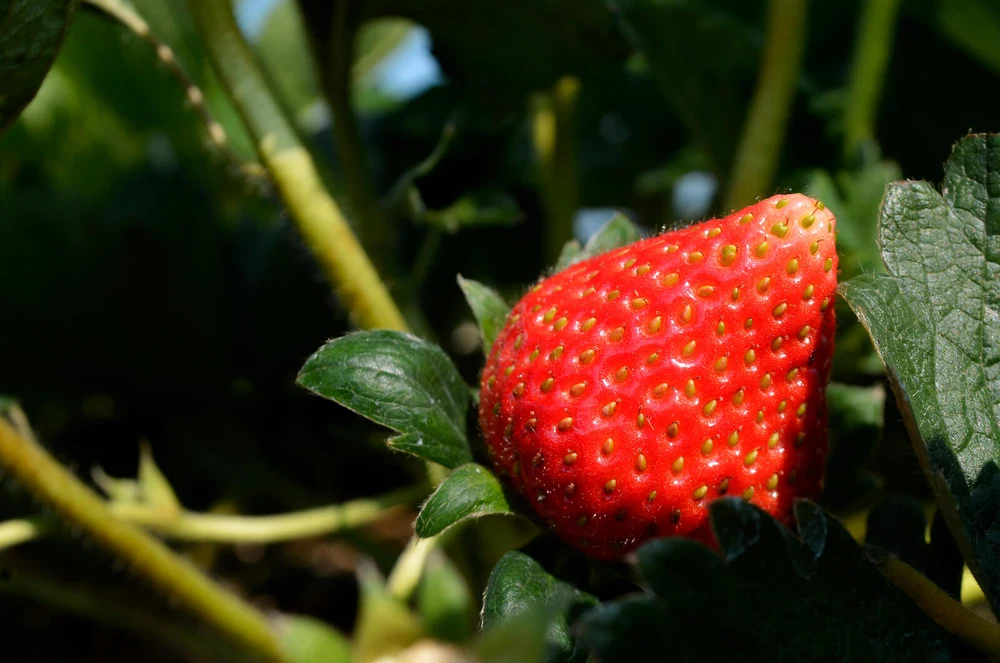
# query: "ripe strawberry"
x,y
629,390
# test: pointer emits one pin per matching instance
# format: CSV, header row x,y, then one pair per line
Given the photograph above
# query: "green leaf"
x,y
483,208
307,640
617,231
524,636
444,600
856,416
489,308
771,596
385,625
706,84
30,34
470,491
935,321
972,24
570,253
517,584
502,50
400,381
154,486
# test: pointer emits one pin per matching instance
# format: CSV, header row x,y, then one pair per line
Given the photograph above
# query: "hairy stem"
x,y
294,172
871,57
254,173
757,157
982,634
221,528
39,473
555,144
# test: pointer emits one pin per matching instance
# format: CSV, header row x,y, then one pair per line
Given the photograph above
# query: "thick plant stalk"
x,y
871,57
958,620
764,133
294,173
555,146
38,472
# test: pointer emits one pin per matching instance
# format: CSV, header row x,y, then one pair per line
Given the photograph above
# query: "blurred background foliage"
x,y
150,291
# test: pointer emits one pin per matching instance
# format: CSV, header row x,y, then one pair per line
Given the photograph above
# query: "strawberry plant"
x,y
646,330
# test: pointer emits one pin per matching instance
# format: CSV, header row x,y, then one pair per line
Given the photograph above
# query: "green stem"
x,y
371,226
406,573
294,173
254,173
220,528
555,143
871,58
764,133
37,471
958,620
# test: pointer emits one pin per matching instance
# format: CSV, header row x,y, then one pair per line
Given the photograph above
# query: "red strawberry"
x,y
628,391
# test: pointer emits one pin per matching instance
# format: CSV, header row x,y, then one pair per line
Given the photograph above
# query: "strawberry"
x,y
628,391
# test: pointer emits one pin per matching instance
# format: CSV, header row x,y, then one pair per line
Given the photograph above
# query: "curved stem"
x,y
130,19
982,634
221,528
295,175
871,57
406,573
37,471
555,144
764,133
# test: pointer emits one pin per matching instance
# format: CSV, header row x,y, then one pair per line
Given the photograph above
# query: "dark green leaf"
x,y
972,24
485,208
524,636
489,308
935,321
773,597
307,640
856,423
898,525
400,381
539,41
444,601
30,34
517,584
470,491
706,83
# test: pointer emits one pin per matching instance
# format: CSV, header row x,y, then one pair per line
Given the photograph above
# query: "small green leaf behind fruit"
x,y
489,308
400,381
617,231
307,640
471,491
518,583
770,596
444,600
935,321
